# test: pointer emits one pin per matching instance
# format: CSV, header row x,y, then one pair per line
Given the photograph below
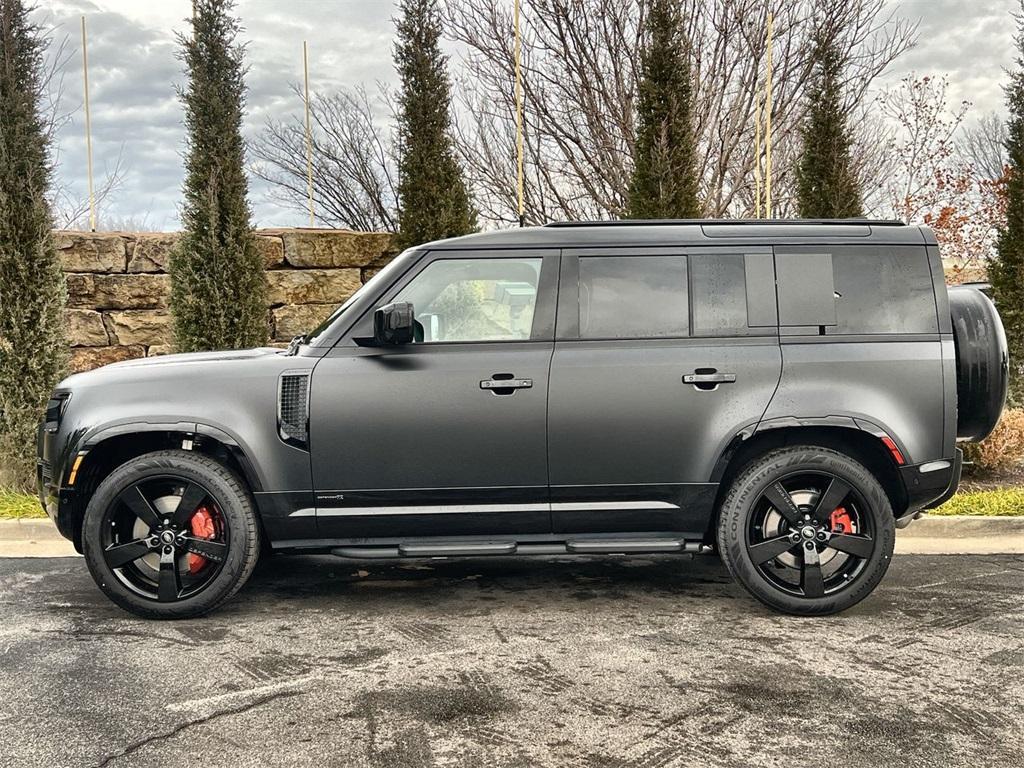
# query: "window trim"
x,y
544,309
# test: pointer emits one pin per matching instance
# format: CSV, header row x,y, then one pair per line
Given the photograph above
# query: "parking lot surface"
x,y
516,662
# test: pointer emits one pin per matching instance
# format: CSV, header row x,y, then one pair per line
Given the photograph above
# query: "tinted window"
x,y
475,299
883,290
633,297
719,295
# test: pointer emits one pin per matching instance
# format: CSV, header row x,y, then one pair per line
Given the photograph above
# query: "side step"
x,y
478,548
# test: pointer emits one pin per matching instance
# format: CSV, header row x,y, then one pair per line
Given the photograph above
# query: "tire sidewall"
x,y
233,502
739,504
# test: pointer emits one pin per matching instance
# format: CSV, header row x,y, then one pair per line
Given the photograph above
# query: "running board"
x,y
476,549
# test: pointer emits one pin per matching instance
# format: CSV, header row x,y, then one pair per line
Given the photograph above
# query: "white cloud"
x,y
133,71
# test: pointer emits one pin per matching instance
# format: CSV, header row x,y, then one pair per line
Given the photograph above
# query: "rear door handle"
x,y
709,378
498,384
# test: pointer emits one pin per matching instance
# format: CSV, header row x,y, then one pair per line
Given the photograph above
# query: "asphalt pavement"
x,y
594,662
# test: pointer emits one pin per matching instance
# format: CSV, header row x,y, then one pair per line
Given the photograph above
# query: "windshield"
x,y
382,278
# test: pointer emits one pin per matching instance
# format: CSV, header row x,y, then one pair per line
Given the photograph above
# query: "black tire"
x,y
114,529
788,581
982,362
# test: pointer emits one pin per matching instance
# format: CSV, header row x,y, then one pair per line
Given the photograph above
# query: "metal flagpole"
x,y
768,124
519,121
88,131
757,143
309,136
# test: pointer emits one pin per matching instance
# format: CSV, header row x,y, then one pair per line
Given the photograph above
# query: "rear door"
x,y
662,356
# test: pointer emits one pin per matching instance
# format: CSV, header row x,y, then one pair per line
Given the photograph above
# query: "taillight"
x,y
894,449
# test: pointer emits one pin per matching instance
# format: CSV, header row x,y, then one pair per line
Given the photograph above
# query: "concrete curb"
x,y
954,526
927,536
33,538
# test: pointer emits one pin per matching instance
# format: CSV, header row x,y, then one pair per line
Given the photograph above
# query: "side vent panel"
x,y
293,408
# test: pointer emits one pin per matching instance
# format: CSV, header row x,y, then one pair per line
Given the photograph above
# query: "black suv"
x,y
789,392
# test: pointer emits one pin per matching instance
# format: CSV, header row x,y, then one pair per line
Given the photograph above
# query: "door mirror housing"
x,y
393,324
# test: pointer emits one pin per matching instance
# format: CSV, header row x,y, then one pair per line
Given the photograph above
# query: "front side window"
x,y
633,297
474,299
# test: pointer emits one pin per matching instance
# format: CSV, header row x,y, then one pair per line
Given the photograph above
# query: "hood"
x,y
197,357
165,365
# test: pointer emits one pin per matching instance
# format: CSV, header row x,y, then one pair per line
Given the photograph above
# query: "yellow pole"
x,y
88,131
309,136
757,144
768,125
519,122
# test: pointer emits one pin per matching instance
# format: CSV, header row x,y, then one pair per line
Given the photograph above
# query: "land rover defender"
x,y
787,393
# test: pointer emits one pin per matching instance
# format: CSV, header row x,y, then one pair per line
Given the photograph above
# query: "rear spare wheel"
x,y
982,362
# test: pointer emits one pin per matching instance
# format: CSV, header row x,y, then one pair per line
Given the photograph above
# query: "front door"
x,y
444,436
662,356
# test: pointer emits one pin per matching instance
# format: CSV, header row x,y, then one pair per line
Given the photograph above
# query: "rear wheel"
x,y
807,530
170,534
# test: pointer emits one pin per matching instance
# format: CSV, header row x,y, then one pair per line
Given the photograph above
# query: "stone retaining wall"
x,y
118,286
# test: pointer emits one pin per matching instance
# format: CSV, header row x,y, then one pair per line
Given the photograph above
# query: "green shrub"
x,y
218,286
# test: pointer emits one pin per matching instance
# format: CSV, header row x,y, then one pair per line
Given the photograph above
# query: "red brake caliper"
x,y
203,528
841,522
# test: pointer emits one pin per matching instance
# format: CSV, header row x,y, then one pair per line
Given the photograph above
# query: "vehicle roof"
x,y
591,234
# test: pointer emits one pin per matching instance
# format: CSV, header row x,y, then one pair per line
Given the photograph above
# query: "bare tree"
x,y
983,145
580,60
353,164
71,209
929,181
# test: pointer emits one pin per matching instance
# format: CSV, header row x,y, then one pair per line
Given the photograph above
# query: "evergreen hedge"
x,y
33,352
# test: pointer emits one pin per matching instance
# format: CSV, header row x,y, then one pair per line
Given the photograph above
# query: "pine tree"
x,y
1006,270
432,195
33,353
664,183
218,287
827,186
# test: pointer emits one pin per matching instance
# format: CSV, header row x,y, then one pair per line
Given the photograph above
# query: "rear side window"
x,y
719,290
883,289
633,297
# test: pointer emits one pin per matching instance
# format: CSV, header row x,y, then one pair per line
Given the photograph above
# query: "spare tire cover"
x,y
982,362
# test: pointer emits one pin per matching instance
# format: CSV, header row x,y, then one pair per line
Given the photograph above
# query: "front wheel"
x,y
807,530
170,535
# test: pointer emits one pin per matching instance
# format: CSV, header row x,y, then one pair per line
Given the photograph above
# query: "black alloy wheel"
x,y
149,535
171,534
806,530
807,535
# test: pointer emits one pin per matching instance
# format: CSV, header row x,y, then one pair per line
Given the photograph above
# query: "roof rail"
x,y
724,222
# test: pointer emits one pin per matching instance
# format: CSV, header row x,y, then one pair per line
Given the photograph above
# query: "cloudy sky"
x,y
133,71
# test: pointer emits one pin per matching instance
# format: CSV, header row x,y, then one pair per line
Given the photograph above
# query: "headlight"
x,y
55,408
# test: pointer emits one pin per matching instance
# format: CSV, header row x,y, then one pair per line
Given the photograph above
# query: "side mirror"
x,y
393,324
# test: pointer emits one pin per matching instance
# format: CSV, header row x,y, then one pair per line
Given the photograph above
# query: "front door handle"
x,y
505,386
708,379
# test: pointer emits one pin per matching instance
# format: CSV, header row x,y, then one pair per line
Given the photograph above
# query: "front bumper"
x,y
58,502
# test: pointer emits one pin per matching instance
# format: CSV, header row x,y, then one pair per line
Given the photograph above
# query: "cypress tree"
x,y
827,186
218,287
33,352
432,195
664,183
1006,270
